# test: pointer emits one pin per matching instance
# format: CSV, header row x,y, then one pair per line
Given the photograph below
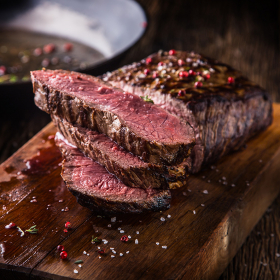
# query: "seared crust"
x,y
223,114
132,171
140,127
100,191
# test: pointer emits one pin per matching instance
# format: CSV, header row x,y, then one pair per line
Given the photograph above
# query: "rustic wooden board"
x,y
210,218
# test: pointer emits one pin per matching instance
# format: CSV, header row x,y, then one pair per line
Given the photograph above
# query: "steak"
x,y
101,191
140,127
131,170
224,107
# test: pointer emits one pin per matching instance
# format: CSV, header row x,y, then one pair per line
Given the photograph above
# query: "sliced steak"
x,y
101,191
140,127
224,107
131,170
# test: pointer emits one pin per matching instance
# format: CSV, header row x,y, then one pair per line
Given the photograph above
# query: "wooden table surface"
x,y
244,34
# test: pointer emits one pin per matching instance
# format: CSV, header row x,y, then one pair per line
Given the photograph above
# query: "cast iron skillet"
x,y
111,27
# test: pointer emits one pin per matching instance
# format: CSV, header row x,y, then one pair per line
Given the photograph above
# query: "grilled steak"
x,y
132,171
224,108
140,127
101,191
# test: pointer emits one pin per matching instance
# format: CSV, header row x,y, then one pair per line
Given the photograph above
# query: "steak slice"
x,y
142,128
224,107
101,191
131,170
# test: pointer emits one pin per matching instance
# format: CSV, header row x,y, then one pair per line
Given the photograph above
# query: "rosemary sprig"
x,y
147,99
95,240
78,261
32,230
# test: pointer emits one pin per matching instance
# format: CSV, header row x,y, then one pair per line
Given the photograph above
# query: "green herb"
x,y
25,78
13,78
21,231
147,99
32,230
95,240
78,261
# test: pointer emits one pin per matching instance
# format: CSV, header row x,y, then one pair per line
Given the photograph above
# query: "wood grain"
x,y
244,34
209,219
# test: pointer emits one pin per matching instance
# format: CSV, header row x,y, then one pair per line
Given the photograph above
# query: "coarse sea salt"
x,y
194,211
127,252
121,254
205,191
157,243
129,236
112,256
137,232
136,241
113,220
164,247
121,231
76,271
162,219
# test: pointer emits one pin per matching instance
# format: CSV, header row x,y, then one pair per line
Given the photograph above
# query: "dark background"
x,y
244,34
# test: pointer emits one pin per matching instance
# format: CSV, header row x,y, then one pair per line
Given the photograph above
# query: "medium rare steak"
x,y
140,127
131,170
101,191
224,107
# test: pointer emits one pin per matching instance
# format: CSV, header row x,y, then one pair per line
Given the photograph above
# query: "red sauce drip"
x,y
42,161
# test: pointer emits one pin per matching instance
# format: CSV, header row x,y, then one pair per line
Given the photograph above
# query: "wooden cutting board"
x,y
196,238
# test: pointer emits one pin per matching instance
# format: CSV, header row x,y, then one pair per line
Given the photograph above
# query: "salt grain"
x,y
114,252
127,252
224,178
112,248
61,200
121,231
194,211
157,243
168,216
129,236
112,256
136,241
162,219
205,192
104,241
184,193
87,254
79,265
121,254
76,271
114,219
202,204
99,257
164,247
225,183
137,232
84,252
233,185
119,228
98,248
109,225
189,190
277,255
